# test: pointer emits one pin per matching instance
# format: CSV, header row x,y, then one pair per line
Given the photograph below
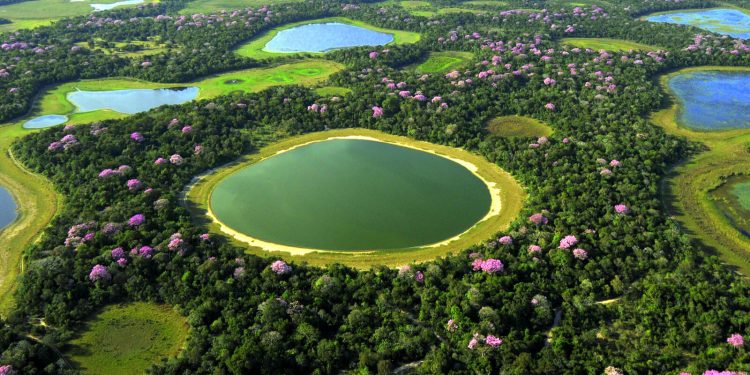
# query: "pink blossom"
x,y
205,237
493,341
580,254
533,249
134,184
137,220
538,219
7,370
622,209
419,276
122,262
437,99
404,93
187,129
568,241
99,272
176,159
377,111
473,344
373,55
736,340
174,122
505,240
280,267
117,253
550,106
138,137
160,161
146,251
492,266
614,163
476,265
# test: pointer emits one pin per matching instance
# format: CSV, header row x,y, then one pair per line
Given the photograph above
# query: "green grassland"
x,y
688,188
440,62
210,6
144,47
30,14
512,196
127,339
488,3
254,48
427,9
36,198
308,72
37,203
518,126
613,45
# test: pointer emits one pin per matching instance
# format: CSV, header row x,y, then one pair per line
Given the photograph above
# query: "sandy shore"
x,y
494,210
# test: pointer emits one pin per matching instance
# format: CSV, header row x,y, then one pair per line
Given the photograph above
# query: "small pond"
x,y
8,207
732,199
322,37
712,100
351,194
130,101
730,22
45,121
100,7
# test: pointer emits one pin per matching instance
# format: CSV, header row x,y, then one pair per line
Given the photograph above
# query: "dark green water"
x,y
351,194
733,200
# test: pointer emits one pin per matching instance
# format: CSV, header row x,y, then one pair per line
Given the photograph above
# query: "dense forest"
x,y
593,227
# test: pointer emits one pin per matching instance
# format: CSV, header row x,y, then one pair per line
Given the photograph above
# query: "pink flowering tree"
x,y
99,272
280,267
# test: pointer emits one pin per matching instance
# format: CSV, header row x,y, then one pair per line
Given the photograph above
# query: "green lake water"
x,y
351,194
733,199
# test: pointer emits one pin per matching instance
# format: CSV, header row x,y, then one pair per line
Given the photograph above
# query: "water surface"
x,y
730,22
349,194
322,37
45,121
732,199
712,100
130,101
8,211
100,7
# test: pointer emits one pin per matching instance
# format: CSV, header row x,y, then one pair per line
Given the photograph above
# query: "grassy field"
x,y
440,62
29,14
613,45
518,126
210,6
148,47
254,48
36,199
309,72
127,339
512,196
687,188
37,203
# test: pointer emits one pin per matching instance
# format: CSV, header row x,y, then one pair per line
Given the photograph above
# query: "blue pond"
x,y
130,101
99,7
322,37
722,21
713,100
7,208
45,121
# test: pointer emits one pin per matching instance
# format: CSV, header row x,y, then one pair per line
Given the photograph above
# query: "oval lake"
x,y
351,194
322,37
